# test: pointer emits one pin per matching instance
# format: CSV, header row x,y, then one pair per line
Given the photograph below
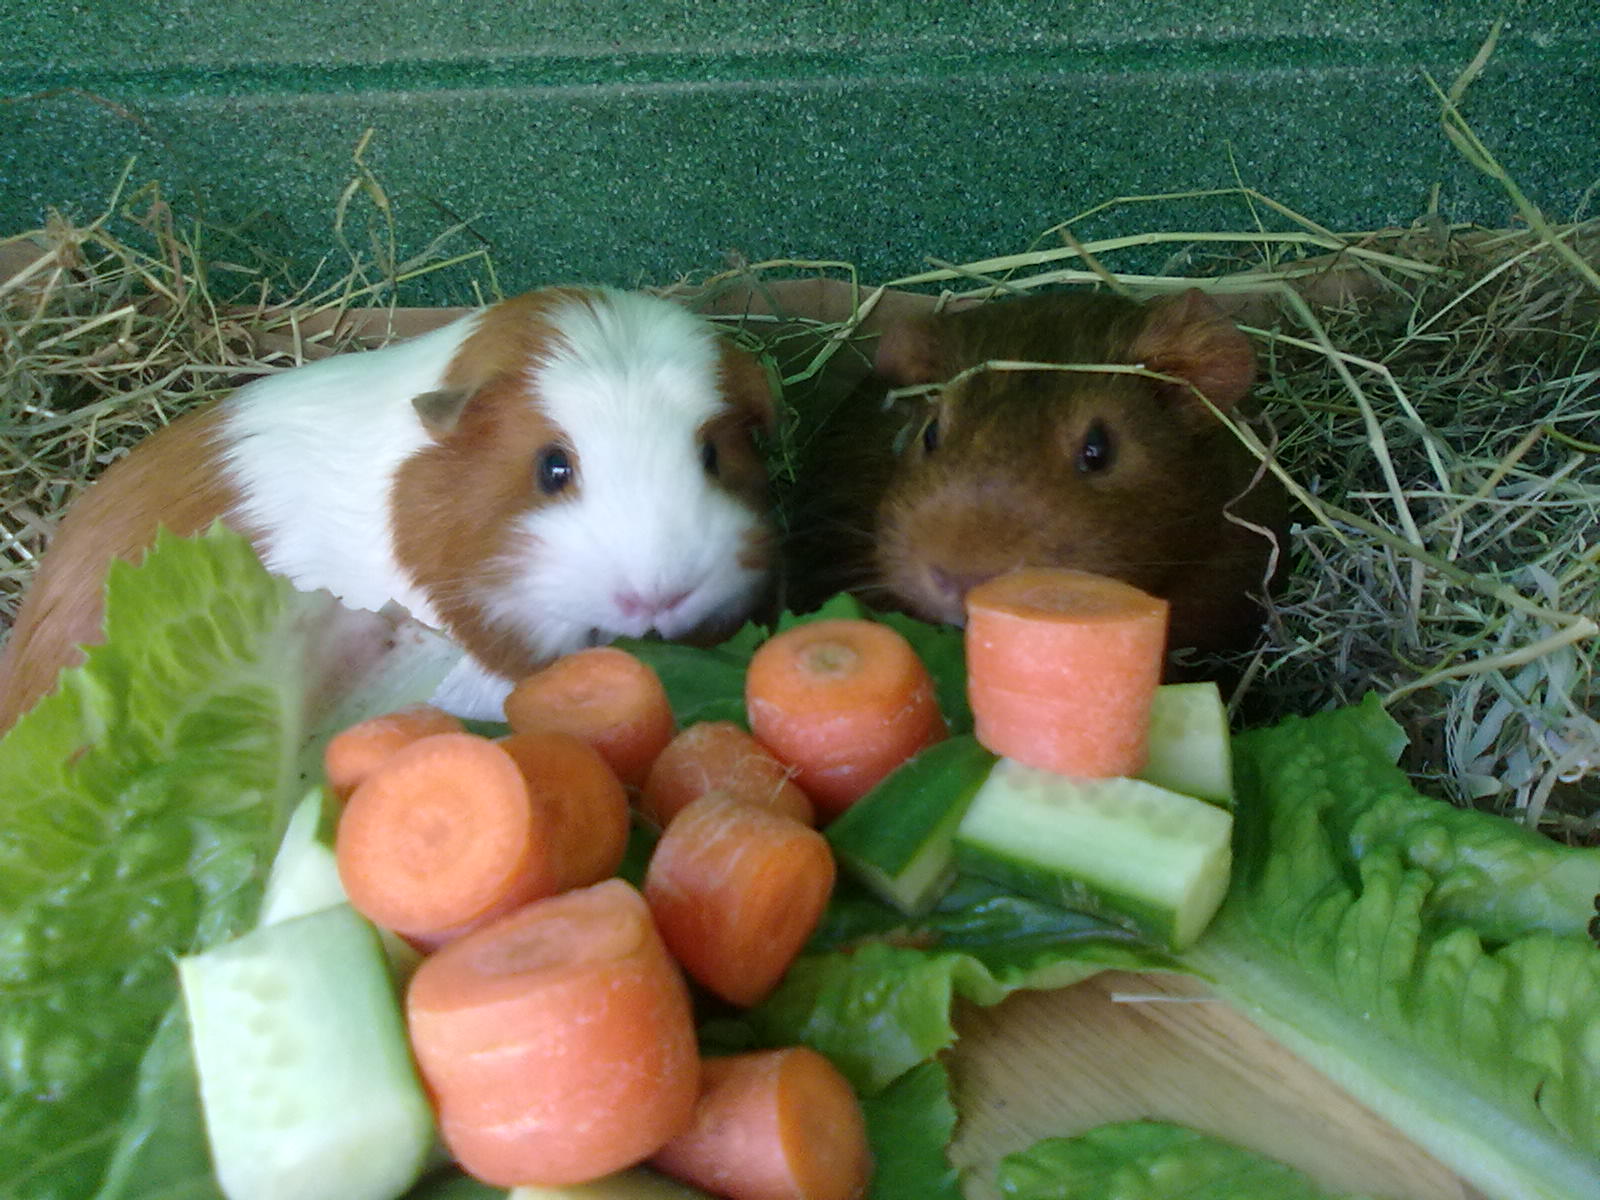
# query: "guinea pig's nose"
x,y
956,584
633,604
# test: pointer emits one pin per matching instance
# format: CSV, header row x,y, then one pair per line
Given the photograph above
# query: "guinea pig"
x,y
552,471
1116,473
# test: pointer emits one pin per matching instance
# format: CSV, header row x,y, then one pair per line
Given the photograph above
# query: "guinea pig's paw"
x,y
473,692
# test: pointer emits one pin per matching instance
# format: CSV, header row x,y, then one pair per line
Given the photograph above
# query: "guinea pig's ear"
x,y
747,385
1188,336
441,410
911,352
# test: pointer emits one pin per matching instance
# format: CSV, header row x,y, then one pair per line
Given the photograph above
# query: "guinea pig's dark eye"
x,y
708,457
930,435
553,470
1095,453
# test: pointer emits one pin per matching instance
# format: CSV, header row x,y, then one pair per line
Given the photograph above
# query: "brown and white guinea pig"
x,y
1115,473
555,470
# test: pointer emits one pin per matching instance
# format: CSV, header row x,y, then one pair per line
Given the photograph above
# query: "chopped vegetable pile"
x,y
1436,961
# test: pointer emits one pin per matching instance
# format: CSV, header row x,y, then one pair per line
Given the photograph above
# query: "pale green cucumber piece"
x,y
1191,749
304,876
636,1183
1151,860
305,879
899,838
306,1079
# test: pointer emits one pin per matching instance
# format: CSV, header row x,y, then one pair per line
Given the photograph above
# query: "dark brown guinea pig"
x,y
911,503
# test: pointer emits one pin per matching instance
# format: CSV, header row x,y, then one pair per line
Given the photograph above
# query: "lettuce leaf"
x,y
875,990
1432,960
909,1124
142,803
1152,1160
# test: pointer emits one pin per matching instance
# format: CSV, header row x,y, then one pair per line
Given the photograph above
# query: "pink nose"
x,y
954,585
634,604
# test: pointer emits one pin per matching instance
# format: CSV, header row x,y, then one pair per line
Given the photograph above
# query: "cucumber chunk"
x,y
637,1183
306,1080
304,876
1190,748
1151,860
899,838
305,879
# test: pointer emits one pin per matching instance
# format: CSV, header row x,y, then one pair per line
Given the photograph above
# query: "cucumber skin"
x,y
1001,840
327,967
898,839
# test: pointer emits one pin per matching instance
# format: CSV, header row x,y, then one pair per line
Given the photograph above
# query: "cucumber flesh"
x,y
306,1079
637,1183
1190,748
899,839
1151,860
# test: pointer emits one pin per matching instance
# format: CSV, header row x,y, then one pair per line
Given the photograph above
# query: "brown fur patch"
x,y
172,480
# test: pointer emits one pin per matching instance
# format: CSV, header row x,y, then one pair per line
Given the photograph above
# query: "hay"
x,y
1431,395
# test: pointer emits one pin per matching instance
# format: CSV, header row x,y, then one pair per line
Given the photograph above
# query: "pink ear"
x,y
1187,335
909,353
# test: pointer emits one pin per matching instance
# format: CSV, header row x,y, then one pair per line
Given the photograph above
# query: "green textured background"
x,y
625,142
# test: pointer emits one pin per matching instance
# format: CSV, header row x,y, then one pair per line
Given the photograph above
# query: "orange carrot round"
x,y
442,835
736,890
773,1125
585,804
719,756
354,752
843,702
557,1041
604,695
1061,669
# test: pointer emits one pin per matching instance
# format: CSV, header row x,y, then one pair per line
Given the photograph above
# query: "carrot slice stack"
x,y
736,890
557,1041
843,702
441,835
773,1125
1061,669
718,756
585,807
357,750
611,699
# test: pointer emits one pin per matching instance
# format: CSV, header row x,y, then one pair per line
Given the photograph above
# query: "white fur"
x,y
314,452
633,380
630,387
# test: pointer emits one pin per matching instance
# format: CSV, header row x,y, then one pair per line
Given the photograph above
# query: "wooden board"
x,y
1121,1046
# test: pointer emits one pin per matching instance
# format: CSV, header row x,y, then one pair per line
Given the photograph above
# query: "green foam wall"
x,y
623,142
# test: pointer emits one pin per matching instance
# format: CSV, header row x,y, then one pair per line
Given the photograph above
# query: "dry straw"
x,y
1431,395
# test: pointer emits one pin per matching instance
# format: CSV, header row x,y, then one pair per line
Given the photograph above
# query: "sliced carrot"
x,y
736,890
1061,669
557,1041
718,756
352,753
585,803
441,835
608,697
773,1125
843,702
